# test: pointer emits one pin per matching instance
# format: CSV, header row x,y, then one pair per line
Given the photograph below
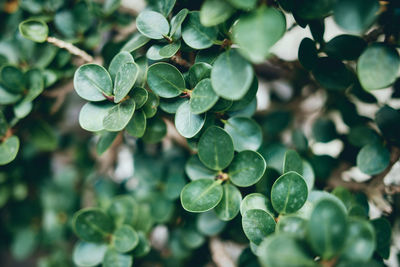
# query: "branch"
x,y
70,48
59,94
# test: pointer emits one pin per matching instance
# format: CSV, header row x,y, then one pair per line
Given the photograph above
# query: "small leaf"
x,y
247,168
313,9
327,229
187,123
165,80
293,225
229,206
245,132
383,231
195,169
124,80
195,34
215,148
138,40
171,105
156,129
373,159
257,224
34,29
88,254
169,50
231,75
150,107
125,239
198,72
203,97
7,98
137,125
112,258
118,116
92,114
177,21
308,54
256,201
289,193
92,225
140,96
214,12
91,81
105,141
123,210
12,78
152,24
345,47
201,195
163,6
9,150
143,247
292,162
332,74
324,130
118,61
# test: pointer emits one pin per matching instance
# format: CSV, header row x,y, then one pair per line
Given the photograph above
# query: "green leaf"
x,y
209,224
356,15
283,250
177,21
360,241
92,225
163,6
34,29
35,84
195,169
105,141
247,168
156,129
118,116
195,34
152,24
229,206
124,80
137,41
308,54
112,258
7,98
8,150
327,228
150,107
165,80
198,72
345,47
231,75
92,114
187,123
110,6
293,225
88,254
201,195
247,99
22,109
203,97
117,62
222,105
169,50
91,81
257,224
332,74
125,239
378,66
140,96
137,125
313,9
258,31
171,105
214,12
12,78
215,148
324,130
373,159
292,162
245,132
289,193
123,210
387,119
383,231
256,201
243,4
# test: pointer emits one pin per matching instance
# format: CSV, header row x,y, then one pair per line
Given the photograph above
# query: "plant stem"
x,y
70,48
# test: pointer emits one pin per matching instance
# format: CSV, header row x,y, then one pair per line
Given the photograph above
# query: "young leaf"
x,y
152,24
88,254
215,148
92,225
137,41
231,75
245,132
289,193
247,168
195,34
92,82
34,29
118,116
165,80
257,224
203,97
187,123
201,195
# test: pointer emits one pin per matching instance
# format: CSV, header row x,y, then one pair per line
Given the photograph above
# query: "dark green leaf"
x,y
256,201
245,132
214,12
229,206
125,239
177,21
292,162
195,34
150,107
247,168
156,129
345,47
196,170
373,159
138,40
124,80
12,78
92,225
140,96
203,97
9,149
117,62
165,80
360,242
201,195
105,141
118,116
308,54
169,50
137,125
332,74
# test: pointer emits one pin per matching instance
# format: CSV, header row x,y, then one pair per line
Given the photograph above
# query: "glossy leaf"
x,y
150,107
332,74
138,40
105,141
140,96
125,239
91,81
117,62
92,114
215,148
256,201
118,116
292,162
88,254
201,195
245,132
34,29
124,80
165,80
373,159
195,34
187,123
8,150
195,169
247,168
214,12
198,72
257,224
203,97
169,50
229,206
177,21
137,125
92,225
231,75
152,24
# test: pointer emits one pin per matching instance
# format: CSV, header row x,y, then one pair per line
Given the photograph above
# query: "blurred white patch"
x,y
159,237
137,5
263,98
374,211
282,89
393,177
332,148
355,174
124,169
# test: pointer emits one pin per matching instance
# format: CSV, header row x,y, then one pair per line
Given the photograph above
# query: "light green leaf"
x,y
293,225
8,150
12,78
92,114
34,29
118,116
125,239
203,97
243,4
373,159
92,225
256,201
195,34
257,224
165,80
143,247
177,21
140,96
229,206
187,123
214,12
150,107
118,61
201,195
245,132
123,210
152,24
195,169
124,80
169,50
247,168
91,81
198,72
105,141
112,258
88,254
138,40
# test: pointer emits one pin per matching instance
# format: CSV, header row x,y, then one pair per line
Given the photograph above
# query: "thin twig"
x,y
70,48
59,94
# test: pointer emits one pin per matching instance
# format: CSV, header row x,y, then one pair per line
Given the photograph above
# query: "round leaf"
x,y
92,114
150,107
196,170
256,201
9,150
152,24
137,125
345,47
125,239
88,254
118,61
91,81
289,193
119,116
177,21
308,54
169,50
34,29
92,225
373,159
247,168
123,210
203,97
332,74
214,12
198,72
187,123
201,195
292,162
231,75
165,80
143,247
195,34
112,258
257,224
12,78
215,148
229,205
245,132
124,80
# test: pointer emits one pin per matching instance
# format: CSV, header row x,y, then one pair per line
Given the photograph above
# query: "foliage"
x,y
180,95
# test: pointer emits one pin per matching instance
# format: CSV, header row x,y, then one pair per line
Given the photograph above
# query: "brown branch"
x,y
59,94
177,59
70,48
